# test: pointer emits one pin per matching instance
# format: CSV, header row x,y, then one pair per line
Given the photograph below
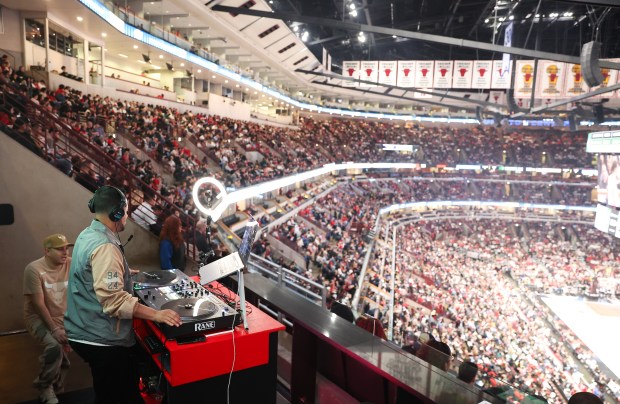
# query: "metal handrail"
x,y
282,276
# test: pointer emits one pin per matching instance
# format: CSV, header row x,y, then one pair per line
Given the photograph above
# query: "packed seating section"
x,y
446,267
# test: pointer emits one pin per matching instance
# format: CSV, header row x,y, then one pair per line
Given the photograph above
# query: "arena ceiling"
x,y
561,26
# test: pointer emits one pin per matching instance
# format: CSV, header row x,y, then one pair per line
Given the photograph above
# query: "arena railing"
x,y
59,140
298,284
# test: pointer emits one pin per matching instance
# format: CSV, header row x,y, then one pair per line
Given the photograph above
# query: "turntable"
x,y
153,279
200,310
191,308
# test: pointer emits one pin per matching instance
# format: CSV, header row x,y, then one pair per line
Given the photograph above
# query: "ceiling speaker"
x,y
590,54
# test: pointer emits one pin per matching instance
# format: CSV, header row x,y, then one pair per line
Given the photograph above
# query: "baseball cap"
x,y
56,241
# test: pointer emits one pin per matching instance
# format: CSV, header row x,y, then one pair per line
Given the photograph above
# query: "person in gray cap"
x,y
45,302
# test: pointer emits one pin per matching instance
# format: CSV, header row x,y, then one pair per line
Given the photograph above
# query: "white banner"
x,y
443,74
424,73
350,69
501,75
523,102
387,72
463,73
610,77
524,78
406,73
482,74
369,71
575,84
497,97
550,80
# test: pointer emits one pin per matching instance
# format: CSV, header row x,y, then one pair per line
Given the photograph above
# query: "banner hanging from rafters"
x,y
406,73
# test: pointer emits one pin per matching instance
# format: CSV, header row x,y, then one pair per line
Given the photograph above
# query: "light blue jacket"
x,y
85,319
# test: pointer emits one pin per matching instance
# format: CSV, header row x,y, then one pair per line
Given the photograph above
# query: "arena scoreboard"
x,y
604,142
607,145
607,220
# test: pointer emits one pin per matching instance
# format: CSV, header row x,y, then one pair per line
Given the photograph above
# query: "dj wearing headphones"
x,y
100,305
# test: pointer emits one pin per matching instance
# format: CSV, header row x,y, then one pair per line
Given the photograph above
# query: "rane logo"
x,y
206,325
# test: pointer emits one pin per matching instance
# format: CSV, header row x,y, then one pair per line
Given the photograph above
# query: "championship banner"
x,y
482,74
350,69
550,79
502,74
424,73
463,73
387,73
443,74
523,102
524,78
406,73
610,77
369,71
498,97
575,84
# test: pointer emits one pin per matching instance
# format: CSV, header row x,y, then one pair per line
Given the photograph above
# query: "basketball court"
x,y
597,324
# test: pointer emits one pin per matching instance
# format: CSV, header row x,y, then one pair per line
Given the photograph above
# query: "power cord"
x,y
232,368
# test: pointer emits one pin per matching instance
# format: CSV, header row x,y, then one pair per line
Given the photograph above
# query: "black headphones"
x,y
118,211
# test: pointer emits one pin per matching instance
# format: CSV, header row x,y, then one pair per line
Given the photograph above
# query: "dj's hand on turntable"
x,y
169,317
166,316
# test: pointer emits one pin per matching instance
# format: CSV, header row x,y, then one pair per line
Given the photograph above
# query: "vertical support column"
x,y
22,26
46,33
86,72
390,335
103,77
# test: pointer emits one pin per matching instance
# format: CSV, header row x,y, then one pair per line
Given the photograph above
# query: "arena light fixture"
x,y
227,199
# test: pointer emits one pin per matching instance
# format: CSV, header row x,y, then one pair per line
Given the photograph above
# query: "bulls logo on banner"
x,y
350,69
443,74
550,80
497,97
406,73
502,75
387,73
463,71
424,70
482,74
369,71
524,78
610,77
575,84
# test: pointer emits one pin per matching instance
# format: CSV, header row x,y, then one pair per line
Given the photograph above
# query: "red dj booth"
x,y
200,371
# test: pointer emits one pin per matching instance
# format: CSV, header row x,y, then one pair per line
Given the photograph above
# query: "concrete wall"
x,y
224,106
55,80
11,39
45,201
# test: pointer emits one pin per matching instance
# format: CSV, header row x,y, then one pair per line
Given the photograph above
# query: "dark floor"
x,y
19,366
74,397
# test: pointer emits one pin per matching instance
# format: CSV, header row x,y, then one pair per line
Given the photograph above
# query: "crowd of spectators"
x,y
472,285
242,153
500,328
